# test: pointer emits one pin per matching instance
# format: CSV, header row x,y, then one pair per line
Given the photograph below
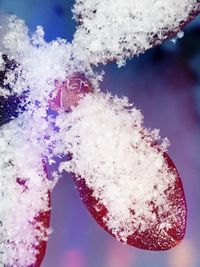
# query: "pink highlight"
x,y
184,255
118,256
73,258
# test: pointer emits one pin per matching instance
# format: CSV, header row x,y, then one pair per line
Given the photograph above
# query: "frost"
x,y
118,29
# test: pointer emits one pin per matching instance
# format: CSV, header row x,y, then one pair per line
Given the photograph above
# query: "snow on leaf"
x,y
115,29
122,164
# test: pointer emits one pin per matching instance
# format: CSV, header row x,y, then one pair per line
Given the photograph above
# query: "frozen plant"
x,y
140,200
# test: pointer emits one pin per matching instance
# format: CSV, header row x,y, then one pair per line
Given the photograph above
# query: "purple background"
x,y
165,84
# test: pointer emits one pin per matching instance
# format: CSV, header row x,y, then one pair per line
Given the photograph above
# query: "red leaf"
x,y
44,218
152,238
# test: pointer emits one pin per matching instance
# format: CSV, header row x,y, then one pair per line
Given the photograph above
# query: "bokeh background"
x,y
165,84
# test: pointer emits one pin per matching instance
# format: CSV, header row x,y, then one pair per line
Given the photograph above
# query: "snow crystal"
x,y
117,29
115,155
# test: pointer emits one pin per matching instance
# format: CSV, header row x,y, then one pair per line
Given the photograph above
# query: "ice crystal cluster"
x,y
110,148
117,29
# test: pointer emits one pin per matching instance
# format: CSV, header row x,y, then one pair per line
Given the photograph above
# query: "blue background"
x,y
165,84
